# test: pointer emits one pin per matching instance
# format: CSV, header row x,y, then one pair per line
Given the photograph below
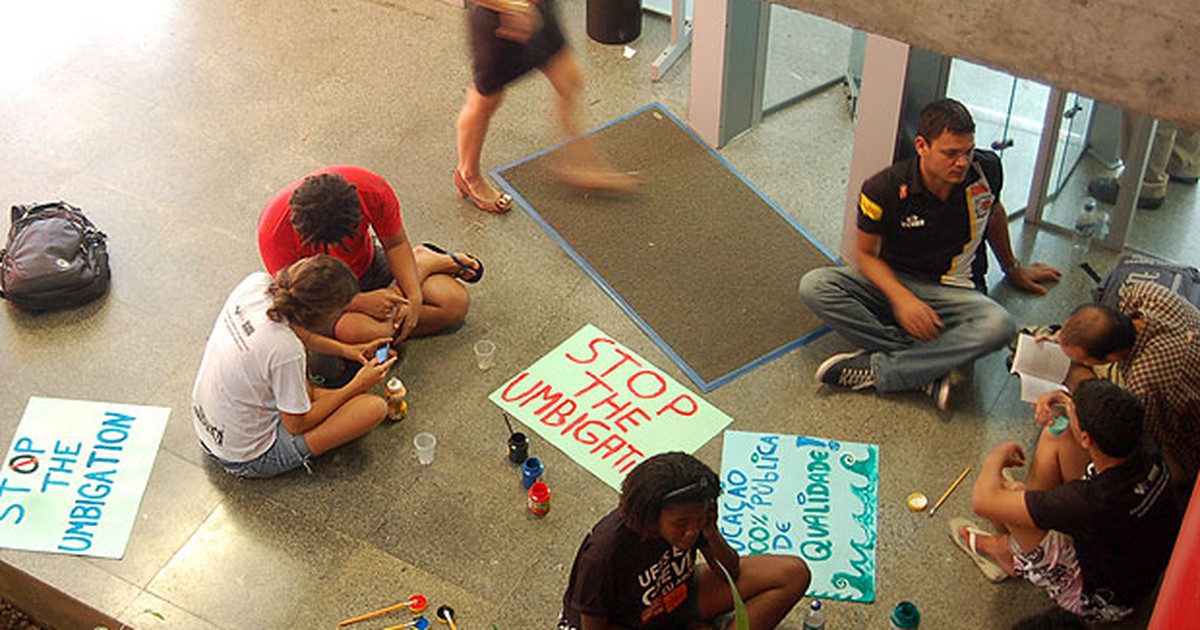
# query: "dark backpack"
x,y
1135,268
55,258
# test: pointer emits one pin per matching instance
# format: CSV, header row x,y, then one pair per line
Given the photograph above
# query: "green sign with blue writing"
x,y
808,497
607,407
74,475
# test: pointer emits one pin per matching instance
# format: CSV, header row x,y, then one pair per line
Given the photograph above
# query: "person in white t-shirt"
x,y
253,408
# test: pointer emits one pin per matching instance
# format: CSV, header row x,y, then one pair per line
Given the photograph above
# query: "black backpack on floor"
x,y
1138,268
55,258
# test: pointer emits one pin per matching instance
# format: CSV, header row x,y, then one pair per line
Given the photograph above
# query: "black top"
x,y
1123,520
498,62
924,236
631,582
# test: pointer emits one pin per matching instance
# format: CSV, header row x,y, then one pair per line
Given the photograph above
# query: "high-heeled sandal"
x,y
502,204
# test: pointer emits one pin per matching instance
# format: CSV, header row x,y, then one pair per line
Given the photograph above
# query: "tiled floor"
x,y
172,122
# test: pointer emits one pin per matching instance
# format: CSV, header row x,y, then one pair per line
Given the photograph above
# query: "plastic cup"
x,y
518,448
425,444
485,354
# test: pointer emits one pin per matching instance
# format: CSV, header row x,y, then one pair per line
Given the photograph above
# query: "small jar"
x,y
396,404
905,616
539,498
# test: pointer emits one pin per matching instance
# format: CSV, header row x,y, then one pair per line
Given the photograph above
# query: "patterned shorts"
x,y
1053,567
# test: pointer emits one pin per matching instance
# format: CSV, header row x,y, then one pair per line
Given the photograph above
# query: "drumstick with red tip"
x,y
416,603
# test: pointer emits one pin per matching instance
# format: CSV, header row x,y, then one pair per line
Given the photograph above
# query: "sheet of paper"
x,y
1032,387
1044,360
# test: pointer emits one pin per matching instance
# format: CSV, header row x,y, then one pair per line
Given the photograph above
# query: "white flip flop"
x,y
992,571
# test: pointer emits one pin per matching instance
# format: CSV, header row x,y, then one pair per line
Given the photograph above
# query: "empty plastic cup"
x,y
485,354
425,444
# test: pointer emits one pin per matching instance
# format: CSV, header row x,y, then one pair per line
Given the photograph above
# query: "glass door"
x,y
806,55
1069,165
1072,140
1009,113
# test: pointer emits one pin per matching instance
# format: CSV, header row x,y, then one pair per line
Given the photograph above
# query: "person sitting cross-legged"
x,y
353,215
1095,520
637,567
913,303
253,408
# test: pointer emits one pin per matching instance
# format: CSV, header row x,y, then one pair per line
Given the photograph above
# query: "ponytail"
x,y
311,290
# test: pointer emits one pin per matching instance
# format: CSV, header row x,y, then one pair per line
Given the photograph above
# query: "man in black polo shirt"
x,y
1095,521
915,305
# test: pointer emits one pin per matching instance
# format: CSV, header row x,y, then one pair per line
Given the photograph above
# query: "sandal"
x,y
992,571
502,204
464,270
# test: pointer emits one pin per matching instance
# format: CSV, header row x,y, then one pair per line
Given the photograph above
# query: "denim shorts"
x,y
287,453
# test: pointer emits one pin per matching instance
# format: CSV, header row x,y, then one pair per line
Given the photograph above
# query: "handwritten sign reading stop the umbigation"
x,y
606,407
74,475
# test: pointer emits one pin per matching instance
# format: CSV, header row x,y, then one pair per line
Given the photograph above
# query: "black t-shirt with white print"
x,y
1123,522
925,237
631,582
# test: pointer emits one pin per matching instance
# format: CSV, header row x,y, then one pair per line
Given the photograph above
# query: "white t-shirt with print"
x,y
253,368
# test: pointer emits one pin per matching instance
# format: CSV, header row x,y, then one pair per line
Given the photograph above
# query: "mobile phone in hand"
x,y
381,354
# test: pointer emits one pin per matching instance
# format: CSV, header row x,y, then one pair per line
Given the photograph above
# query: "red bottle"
x,y
539,498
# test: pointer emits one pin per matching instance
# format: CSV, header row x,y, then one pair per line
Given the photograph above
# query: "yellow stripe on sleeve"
x,y
869,208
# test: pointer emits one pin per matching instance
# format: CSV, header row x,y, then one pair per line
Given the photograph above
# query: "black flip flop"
x,y
463,268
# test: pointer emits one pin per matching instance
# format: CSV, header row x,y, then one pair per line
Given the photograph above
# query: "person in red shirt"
x,y
353,214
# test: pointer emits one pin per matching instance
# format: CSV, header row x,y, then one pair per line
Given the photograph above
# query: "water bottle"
x,y
815,619
1087,226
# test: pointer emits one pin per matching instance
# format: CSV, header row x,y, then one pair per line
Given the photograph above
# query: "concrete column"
x,y
728,64
885,67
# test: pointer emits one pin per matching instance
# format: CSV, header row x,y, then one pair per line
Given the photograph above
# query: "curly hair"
x,y
326,210
311,290
1112,415
945,114
663,480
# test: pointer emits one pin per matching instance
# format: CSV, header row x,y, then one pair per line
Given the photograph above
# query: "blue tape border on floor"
x,y
705,386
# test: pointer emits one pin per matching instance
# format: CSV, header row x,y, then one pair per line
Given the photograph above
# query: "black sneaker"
x,y
1106,189
1183,179
939,391
851,370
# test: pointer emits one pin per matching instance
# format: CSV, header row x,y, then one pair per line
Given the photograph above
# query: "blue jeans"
x,y
974,325
287,453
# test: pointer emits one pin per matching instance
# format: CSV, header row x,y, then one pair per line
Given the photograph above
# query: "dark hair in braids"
x,y
311,290
663,480
326,210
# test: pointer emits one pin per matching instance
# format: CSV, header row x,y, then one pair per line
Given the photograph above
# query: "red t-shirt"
x,y
279,243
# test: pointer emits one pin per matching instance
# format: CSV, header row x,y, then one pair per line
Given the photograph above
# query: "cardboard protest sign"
x,y
606,407
74,475
807,497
